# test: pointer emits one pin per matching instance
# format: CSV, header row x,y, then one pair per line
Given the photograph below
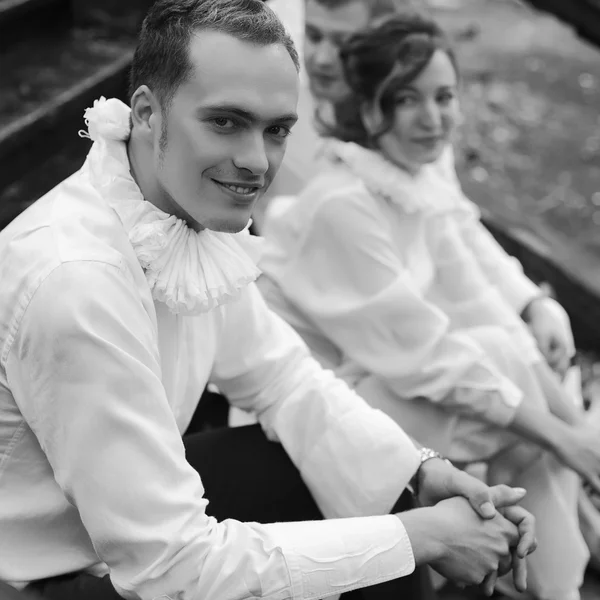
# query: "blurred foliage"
x,y
529,148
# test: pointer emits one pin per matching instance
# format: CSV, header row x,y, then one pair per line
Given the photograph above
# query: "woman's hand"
x,y
549,325
579,449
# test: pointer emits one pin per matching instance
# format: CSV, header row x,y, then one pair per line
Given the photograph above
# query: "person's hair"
x,y
380,60
161,58
377,8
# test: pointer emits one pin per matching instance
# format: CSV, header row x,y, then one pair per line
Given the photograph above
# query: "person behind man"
x,y
125,290
320,28
385,269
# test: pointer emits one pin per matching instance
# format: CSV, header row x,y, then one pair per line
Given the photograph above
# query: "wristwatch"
x,y
425,454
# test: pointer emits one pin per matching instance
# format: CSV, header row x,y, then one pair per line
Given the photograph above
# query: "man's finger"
x,y
519,566
489,583
505,565
525,522
503,495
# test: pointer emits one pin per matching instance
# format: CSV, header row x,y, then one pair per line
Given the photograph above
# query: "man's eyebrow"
x,y
246,114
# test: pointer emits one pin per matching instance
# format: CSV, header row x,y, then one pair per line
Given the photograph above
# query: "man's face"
x,y
326,31
225,132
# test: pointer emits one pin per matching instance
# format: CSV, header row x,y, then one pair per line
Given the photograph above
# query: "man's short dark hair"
x,y
161,59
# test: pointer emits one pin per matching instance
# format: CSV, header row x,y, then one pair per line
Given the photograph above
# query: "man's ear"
x,y
146,115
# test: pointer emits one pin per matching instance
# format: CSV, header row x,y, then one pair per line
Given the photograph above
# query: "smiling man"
x,y
124,291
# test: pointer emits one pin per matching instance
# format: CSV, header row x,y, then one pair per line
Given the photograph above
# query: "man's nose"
x,y
252,154
326,54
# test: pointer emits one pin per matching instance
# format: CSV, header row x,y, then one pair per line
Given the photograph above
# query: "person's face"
x,y
326,30
426,115
224,136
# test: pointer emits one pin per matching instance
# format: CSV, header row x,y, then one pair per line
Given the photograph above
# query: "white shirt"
x,y
99,378
382,273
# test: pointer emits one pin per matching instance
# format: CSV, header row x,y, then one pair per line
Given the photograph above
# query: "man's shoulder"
x,y
69,224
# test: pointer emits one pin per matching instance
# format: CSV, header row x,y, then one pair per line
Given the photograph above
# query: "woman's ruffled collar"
x,y
428,191
191,272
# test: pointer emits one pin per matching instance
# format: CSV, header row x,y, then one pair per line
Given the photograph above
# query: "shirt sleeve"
x,y
85,372
355,460
503,270
472,295
348,279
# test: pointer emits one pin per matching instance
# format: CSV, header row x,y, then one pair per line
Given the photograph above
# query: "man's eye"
x,y
312,35
223,123
279,131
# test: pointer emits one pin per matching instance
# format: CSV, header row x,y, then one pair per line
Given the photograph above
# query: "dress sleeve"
x,y
85,372
503,270
348,279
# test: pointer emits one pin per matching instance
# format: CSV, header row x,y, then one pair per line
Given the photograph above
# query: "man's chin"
x,y
228,224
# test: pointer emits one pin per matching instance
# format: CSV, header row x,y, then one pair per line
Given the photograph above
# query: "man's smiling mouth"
x,y
239,189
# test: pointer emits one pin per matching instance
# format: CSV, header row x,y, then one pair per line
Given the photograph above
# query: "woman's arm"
x,y
348,279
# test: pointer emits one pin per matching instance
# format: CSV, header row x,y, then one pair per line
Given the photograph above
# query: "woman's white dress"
x,y
395,284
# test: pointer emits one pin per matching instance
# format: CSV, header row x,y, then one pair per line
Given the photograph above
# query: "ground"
x,y
530,145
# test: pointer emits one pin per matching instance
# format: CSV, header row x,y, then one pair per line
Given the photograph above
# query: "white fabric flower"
x,y
108,119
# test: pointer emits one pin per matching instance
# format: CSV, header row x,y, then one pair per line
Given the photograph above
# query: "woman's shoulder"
x,y
336,184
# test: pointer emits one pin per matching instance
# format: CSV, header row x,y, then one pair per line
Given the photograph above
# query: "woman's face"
x,y
425,116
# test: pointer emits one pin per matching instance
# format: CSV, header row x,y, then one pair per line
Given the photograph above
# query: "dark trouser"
x,y
247,478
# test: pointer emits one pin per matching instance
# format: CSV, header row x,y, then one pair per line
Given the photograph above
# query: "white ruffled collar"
x,y
427,191
191,272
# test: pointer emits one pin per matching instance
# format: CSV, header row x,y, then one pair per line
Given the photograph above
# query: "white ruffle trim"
x,y
425,192
191,272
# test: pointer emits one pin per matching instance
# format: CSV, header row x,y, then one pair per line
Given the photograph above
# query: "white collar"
x,y
427,191
191,272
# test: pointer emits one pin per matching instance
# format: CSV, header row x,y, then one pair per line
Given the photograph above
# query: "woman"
x,y
384,268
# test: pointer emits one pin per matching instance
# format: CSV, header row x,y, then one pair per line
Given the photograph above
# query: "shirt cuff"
x,y
519,290
500,405
325,558
526,343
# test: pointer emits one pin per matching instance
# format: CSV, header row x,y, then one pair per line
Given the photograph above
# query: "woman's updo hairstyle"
x,y
379,61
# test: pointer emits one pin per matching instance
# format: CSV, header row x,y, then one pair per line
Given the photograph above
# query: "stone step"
x,y
583,15
20,19
48,79
56,58
574,277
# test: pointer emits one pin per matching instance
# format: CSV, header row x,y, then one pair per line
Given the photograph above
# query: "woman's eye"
x,y
404,101
446,98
